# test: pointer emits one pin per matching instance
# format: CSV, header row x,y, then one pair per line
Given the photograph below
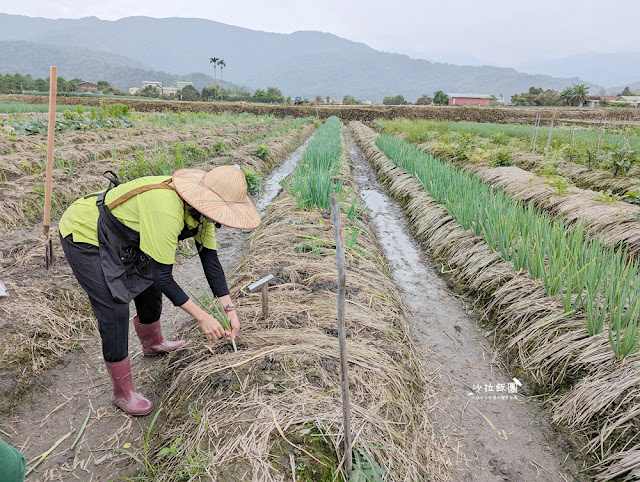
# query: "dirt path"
x,y
59,404
496,431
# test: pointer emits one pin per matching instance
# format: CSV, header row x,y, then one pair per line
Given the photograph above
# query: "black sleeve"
x,y
163,279
213,271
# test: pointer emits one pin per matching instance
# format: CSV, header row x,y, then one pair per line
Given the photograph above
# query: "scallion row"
x,y
580,269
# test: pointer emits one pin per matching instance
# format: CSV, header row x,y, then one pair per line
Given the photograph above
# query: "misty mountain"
x,y
634,87
23,57
602,69
301,63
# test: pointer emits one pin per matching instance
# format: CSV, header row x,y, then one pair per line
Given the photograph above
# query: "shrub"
x,y
501,158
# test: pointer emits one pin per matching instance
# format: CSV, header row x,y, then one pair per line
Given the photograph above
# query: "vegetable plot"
x,y
582,271
598,395
272,411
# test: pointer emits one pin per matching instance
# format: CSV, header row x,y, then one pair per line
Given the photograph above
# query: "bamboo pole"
x,y
53,81
342,340
553,118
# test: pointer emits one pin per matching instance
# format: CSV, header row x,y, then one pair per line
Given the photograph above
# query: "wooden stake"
x,y
534,135
342,339
553,118
599,134
48,244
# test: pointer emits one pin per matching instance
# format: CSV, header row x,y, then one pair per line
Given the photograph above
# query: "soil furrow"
x,y
497,434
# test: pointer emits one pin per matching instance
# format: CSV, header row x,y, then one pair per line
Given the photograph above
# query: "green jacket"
x,y
12,463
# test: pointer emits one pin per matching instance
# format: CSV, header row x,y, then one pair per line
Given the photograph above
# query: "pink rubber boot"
x,y
153,343
124,395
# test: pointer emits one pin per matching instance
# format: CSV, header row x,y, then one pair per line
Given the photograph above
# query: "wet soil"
x,y
496,430
58,404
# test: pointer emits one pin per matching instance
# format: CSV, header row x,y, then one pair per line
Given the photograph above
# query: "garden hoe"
x,y
48,243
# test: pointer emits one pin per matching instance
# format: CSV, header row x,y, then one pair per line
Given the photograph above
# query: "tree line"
x,y
18,83
439,98
575,96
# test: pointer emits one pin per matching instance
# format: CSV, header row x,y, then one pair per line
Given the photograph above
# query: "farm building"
x,y
632,100
87,87
170,91
133,90
153,83
337,101
470,99
595,100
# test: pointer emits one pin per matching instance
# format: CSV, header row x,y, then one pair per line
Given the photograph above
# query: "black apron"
x,y
127,270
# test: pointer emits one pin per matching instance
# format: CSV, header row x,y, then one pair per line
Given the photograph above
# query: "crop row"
x,y
561,136
587,388
290,358
313,179
581,270
606,162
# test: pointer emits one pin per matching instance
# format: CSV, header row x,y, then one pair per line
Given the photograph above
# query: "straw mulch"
x,y
234,410
21,197
47,314
616,224
596,179
601,393
44,318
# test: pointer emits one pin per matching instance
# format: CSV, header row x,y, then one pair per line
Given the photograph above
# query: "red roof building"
x,y
470,99
87,87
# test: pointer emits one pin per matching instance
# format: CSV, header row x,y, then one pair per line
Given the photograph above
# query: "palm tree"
x,y
575,96
222,66
214,61
580,95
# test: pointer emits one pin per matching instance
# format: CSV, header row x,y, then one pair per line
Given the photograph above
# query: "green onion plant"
x,y
581,270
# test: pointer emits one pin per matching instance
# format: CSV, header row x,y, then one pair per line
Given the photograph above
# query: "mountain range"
x,y
612,69
19,56
301,63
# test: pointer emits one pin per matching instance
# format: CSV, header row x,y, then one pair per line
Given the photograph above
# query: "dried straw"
x,y
596,179
616,224
286,371
554,348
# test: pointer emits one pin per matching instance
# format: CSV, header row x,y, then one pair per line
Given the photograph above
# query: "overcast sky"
x,y
497,32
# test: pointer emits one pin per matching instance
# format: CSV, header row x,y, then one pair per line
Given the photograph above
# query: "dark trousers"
x,y
112,316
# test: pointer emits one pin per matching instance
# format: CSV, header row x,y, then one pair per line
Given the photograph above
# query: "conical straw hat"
x,y
220,194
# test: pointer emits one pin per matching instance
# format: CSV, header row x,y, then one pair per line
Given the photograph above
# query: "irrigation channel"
x,y
495,430
80,383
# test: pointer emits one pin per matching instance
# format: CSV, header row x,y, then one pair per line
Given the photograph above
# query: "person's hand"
x,y
235,325
211,327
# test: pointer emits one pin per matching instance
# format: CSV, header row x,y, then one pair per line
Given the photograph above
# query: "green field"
x,y
583,137
23,108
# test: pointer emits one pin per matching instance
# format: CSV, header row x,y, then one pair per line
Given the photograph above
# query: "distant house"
x,y
595,100
470,99
337,101
631,100
170,91
153,83
133,90
87,87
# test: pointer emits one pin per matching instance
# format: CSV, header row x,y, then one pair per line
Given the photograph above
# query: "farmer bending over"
x,y
121,245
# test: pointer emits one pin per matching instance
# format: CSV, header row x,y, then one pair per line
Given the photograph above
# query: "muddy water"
x,y
59,404
496,433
